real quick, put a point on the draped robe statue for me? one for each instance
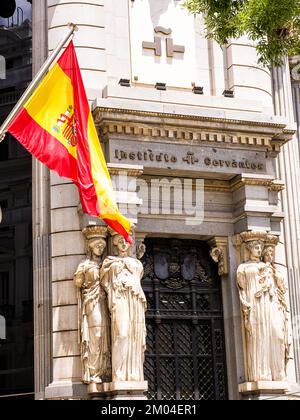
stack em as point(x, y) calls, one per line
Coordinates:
point(94, 322)
point(265, 314)
point(121, 279)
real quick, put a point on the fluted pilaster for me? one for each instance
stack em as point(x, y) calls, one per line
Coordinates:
point(289, 171)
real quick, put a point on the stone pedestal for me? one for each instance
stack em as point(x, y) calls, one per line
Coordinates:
point(66, 390)
point(264, 390)
point(118, 391)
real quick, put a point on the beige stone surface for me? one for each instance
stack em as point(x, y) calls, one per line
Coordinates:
point(66, 389)
point(65, 219)
point(67, 368)
point(87, 36)
point(64, 195)
point(63, 268)
point(118, 386)
point(55, 179)
point(63, 293)
point(79, 12)
point(64, 318)
point(67, 243)
point(264, 387)
point(65, 344)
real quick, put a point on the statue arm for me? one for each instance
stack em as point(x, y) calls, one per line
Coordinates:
point(79, 276)
point(280, 281)
point(241, 281)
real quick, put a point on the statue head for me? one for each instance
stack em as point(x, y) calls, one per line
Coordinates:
point(253, 242)
point(96, 247)
point(120, 247)
point(255, 249)
point(269, 254)
point(95, 240)
point(269, 249)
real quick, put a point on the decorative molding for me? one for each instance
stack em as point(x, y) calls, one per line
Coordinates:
point(116, 125)
point(219, 253)
point(140, 247)
point(131, 170)
point(99, 112)
point(142, 130)
point(95, 232)
point(271, 184)
point(253, 236)
point(240, 182)
point(277, 186)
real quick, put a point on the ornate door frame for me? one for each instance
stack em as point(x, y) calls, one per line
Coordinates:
point(185, 357)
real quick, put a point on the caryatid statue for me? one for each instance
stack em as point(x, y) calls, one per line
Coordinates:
point(121, 279)
point(93, 315)
point(280, 337)
point(262, 297)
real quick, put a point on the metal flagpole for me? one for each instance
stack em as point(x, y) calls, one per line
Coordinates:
point(36, 80)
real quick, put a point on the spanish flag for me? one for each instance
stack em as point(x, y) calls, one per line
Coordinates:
point(56, 126)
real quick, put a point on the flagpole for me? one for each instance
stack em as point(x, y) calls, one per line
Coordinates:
point(35, 81)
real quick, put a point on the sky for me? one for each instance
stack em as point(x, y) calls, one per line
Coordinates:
point(25, 6)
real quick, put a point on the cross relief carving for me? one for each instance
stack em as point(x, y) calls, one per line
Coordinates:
point(171, 48)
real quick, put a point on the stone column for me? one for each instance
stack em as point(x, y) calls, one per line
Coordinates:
point(289, 170)
point(41, 229)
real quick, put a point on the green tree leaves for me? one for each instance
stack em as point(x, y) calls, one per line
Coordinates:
point(273, 24)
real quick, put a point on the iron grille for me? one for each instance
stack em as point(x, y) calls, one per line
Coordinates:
point(185, 356)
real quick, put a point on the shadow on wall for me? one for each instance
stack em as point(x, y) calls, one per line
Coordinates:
point(157, 8)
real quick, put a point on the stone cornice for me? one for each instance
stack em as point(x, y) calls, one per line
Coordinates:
point(100, 111)
point(188, 128)
point(130, 170)
point(240, 182)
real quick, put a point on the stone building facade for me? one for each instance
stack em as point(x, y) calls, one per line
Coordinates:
point(174, 112)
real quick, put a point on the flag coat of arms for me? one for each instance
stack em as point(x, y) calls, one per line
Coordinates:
point(56, 126)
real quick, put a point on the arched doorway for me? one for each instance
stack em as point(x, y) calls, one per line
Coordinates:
point(185, 356)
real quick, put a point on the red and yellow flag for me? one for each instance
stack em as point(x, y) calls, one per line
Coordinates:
point(56, 126)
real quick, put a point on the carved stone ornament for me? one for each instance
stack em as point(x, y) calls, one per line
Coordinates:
point(262, 292)
point(176, 266)
point(140, 249)
point(219, 253)
point(218, 256)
